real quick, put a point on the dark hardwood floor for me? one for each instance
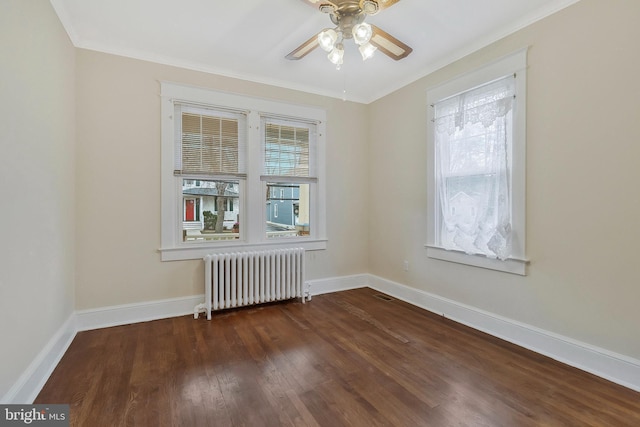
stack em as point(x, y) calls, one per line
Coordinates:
point(347, 358)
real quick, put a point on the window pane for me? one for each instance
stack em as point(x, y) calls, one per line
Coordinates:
point(470, 150)
point(210, 210)
point(287, 209)
point(286, 150)
point(209, 144)
point(472, 179)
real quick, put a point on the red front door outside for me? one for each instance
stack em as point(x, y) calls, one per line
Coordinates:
point(189, 208)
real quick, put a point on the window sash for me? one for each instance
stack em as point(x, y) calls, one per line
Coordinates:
point(290, 213)
point(195, 229)
point(472, 141)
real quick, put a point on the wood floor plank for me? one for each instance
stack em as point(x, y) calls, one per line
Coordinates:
point(343, 359)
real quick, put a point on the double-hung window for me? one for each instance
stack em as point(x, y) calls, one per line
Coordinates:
point(210, 151)
point(476, 167)
point(289, 175)
point(239, 173)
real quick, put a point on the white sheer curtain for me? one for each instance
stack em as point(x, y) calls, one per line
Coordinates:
point(473, 134)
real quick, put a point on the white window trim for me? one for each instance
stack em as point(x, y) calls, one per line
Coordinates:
point(513, 63)
point(252, 189)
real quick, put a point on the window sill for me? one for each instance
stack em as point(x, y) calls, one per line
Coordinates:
point(199, 251)
point(511, 265)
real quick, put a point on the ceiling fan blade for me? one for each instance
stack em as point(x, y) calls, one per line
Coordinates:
point(302, 50)
point(389, 45)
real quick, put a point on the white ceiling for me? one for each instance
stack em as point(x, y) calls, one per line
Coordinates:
point(249, 39)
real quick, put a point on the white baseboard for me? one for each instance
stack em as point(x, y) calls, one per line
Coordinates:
point(117, 315)
point(603, 363)
point(125, 314)
point(337, 284)
point(614, 367)
point(26, 389)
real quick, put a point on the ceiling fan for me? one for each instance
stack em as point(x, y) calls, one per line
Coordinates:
point(348, 17)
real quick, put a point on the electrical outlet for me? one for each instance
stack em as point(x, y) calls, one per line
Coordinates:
point(406, 265)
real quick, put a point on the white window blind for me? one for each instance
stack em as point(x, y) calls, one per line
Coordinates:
point(289, 150)
point(209, 141)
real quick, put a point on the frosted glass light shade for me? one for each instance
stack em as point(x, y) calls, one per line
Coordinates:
point(362, 33)
point(336, 55)
point(367, 50)
point(327, 39)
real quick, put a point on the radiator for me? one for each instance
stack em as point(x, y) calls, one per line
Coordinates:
point(246, 278)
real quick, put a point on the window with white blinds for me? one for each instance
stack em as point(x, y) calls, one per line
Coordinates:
point(288, 148)
point(239, 173)
point(210, 142)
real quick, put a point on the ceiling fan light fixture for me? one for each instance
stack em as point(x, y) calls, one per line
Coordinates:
point(348, 18)
point(327, 39)
point(367, 50)
point(362, 33)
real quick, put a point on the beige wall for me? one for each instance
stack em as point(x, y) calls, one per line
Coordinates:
point(583, 151)
point(118, 176)
point(37, 167)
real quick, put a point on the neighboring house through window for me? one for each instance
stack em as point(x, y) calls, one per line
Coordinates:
point(476, 167)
